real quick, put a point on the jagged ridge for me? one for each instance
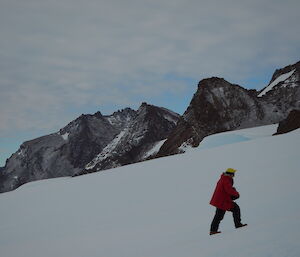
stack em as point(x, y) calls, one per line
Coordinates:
point(77, 145)
point(151, 125)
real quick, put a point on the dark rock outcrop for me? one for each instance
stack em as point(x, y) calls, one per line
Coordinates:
point(292, 122)
point(217, 106)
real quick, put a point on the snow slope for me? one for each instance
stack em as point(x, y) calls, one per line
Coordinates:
point(160, 208)
point(281, 78)
point(237, 136)
point(154, 150)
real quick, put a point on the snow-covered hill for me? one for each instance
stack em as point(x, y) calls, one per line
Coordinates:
point(160, 208)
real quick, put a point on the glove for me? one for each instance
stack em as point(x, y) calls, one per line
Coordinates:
point(233, 197)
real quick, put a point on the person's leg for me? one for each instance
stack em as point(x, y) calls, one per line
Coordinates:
point(219, 215)
point(236, 213)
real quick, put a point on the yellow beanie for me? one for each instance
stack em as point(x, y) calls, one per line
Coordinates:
point(230, 170)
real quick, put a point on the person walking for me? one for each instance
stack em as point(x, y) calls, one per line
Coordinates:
point(223, 199)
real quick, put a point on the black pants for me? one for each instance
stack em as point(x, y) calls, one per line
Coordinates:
point(236, 213)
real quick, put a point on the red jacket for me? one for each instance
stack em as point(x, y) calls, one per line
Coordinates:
point(222, 197)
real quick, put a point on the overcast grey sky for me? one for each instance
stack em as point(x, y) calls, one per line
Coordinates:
point(61, 58)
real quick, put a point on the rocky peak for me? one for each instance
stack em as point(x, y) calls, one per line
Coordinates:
point(217, 106)
point(214, 100)
point(98, 114)
point(213, 82)
point(146, 109)
point(286, 70)
point(144, 104)
point(150, 125)
point(121, 118)
point(83, 122)
point(285, 79)
point(127, 112)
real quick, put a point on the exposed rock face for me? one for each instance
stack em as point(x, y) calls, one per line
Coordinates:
point(69, 151)
point(291, 123)
point(282, 95)
point(219, 106)
point(151, 125)
point(63, 153)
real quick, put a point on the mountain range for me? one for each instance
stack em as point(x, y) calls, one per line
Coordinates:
point(97, 142)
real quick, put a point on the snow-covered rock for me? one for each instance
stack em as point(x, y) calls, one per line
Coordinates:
point(288, 76)
point(219, 106)
point(281, 78)
point(285, 95)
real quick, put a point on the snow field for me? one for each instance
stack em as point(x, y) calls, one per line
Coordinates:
point(160, 208)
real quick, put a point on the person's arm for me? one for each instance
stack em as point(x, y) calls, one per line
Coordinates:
point(234, 197)
point(229, 189)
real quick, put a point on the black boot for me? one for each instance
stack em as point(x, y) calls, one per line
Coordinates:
point(241, 225)
point(214, 232)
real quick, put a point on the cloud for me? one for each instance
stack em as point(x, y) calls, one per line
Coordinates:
point(61, 58)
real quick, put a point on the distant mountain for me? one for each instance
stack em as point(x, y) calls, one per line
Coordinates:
point(128, 133)
point(219, 106)
point(137, 141)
